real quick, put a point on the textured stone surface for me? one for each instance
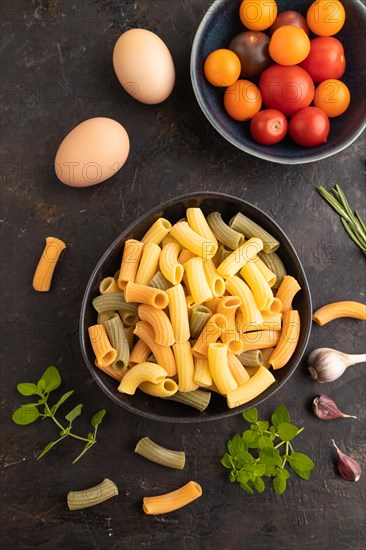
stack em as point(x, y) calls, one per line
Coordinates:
point(58, 71)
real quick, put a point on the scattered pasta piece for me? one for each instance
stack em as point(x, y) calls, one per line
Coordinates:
point(336, 310)
point(169, 502)
point(46, 265)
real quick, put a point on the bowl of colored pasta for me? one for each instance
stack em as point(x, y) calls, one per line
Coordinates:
point(199, 310)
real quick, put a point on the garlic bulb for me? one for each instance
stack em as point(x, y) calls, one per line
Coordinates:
point(326, 364)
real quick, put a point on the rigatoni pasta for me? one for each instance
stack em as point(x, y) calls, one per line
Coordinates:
point(201, 302)
point(43, 275)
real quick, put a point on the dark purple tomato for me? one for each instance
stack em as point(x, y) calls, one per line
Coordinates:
point(252, 49)
point(268, 127)
point(289, 17)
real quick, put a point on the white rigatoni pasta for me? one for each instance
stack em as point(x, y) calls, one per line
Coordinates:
point(157, 231)
point(197, 281)
point(169, 266)
point(249, 309)
point(237, 369)
point(219, 368)
point(261, 290)
point(148, 263)
point(47, 263)
point(237, 259)
point(193, 241)
point(198, 223)
point(165, 388)
point(214, 281)
point(178, 314)
point(143, 372)
point(185, 367)
point(202, 373)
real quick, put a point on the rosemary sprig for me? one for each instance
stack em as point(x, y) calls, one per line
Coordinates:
point(351, 221)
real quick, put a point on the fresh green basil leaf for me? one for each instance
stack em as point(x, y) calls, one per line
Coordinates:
point(48, 447)
point(243, 477)
point(270, 457)
point(254, 444)
point(27, 388)
point(301, 464)
point(52, 379)
point(25, 415)
point(270, 471)
point(251, 415)
point(265, 442)
point(259, 469)
point(249, 436)
point(279, 485)
point(41, 384)
point(62, 400)
point(246, 487)
point(226, 461)
point(97, 418)
point(235, 445)
point(263, 425)
point(258, 485)
point(280, 416)
point(287, 431)
point(74, 413)
point(283, 473)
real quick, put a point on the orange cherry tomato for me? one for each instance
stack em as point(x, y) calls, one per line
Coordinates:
point(333, 97)
point(326, 17)
point(222, 68)
point(289, 45)
point(242, 100)
point(258, 15)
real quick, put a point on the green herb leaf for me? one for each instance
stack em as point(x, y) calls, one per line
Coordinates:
point(259, 469)
point(41, 385)
point(97, 418)
point(280, 416)
point(25, 415)
point(251, 415)
point(26, 388)
point(62, 400)
point(249, 436)
point(243, 477)
point(258, 485)
point(263, 425)
point(48, 447)
point(270, 457)
point(226, 461)
point(52, 379)
point(279, 485)
point(246, 487)
point(301, 464)
point(74, 413)
point(287, 431)
point(265, 442)
point(235, 445)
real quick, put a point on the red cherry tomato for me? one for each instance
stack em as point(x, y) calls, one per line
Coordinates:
point(287, 89)
point(326, 59)
point(268, 127)
point(309, 127)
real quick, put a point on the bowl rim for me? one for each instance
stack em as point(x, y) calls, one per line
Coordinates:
point(242, 147)
point(204, 195)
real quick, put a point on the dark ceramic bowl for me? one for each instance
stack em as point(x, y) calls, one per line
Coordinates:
point(168, 411)
point(221, 23)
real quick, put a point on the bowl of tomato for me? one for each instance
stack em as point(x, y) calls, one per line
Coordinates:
point(282, 79)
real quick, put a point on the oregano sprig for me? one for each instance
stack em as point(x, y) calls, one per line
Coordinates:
point(30, 412)
point(257, 453)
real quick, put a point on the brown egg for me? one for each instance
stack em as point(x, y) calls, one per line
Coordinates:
point(92, 152)
point(144, 66)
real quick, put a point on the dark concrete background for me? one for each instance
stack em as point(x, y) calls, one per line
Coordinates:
point(57, 63)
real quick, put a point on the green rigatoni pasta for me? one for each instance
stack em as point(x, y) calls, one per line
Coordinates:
point(109, 302)
point(154, 452)
point(159, 281)
point(251, 358)
point(199, 317)
point(224, 233)
point(197, 399)
point(275, 264)
point(250, 229)
point(118, 339)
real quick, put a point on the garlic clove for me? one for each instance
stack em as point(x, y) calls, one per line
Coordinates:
point(348, 467)
point(326, 409)
point(326, 364)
